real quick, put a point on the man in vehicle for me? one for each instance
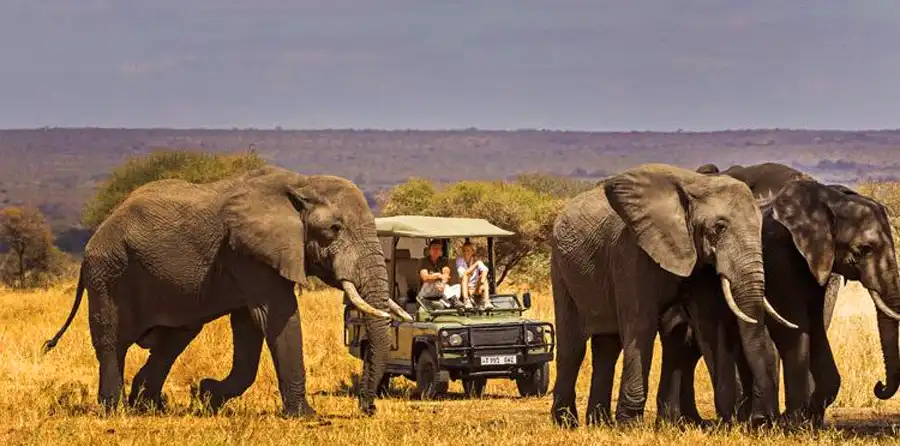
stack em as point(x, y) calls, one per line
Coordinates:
point(434, 271)
point(473, 277)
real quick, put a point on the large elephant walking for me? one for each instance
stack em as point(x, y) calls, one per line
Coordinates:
point(176, 255)
point(619, 253)
point(814, 236)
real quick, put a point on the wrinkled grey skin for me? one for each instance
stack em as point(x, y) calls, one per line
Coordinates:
point(175, 255)
point(619, 254)
point(814, 236)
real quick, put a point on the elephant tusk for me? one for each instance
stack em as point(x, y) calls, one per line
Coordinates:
point(399, 311)
point(729, 298)
point(360, 304)
point(882, 306)
point(774, 314)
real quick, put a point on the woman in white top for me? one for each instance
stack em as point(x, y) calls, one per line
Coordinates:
point(473, 277)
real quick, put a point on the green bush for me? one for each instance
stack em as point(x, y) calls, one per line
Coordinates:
point(512, 206)
point(556, 187)
point(193, 166)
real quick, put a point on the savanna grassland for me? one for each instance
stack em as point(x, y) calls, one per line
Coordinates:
point(51, 399)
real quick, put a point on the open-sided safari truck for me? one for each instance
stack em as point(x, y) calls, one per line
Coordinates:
point(442, 344)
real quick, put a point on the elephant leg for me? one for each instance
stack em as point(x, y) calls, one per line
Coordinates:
point(744, 387)
point(280, 321)
point(761, 357)
point(109, 349)
point(636, 359)
point(728, 356)
point(169, 343)
point(796, 374)
point(604, 354)
point(569, 355)
point(248, 340)
point(688, 400)
point(675, 398)
point(824, 371)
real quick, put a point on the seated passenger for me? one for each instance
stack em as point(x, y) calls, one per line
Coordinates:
point(434, 271)
point(473, 278)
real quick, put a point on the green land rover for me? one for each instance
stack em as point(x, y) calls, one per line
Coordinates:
point(443, 344)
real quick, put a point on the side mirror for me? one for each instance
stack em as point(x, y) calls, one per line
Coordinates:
point(526, 300)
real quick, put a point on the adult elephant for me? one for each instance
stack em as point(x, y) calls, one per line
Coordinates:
point(176, 255)
point(814, 236)
point(619, 253)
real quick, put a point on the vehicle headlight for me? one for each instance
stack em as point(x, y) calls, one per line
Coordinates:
point(529, 336)
point(455, 339)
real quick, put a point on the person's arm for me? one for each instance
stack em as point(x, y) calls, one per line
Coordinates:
point(423, 274)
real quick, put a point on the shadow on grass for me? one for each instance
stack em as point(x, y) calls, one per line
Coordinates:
point(864, 423)
point(351, 389)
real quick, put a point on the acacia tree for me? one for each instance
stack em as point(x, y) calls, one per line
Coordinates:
point(514, 207)
point(25, 232)
point(192, 166)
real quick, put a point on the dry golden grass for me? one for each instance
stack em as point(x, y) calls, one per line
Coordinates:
point(51, 399)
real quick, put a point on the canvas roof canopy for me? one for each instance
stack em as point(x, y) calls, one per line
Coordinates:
point(437, 227)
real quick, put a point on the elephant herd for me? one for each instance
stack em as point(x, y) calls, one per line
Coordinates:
point(740, 267)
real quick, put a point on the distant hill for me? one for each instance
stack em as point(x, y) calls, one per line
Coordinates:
point(58, 168)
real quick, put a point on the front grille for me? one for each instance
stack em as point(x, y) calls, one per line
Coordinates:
point(496, 336)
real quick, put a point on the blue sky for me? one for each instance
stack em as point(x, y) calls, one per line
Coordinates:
point(562, 64)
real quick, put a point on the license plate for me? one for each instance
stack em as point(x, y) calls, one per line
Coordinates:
point(498, 360)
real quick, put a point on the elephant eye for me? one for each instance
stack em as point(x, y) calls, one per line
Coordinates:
point(336, 227)
point(864, 250)
point(720, 226)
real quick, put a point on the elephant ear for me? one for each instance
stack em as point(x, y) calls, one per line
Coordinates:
point(802, 207)
point(268, 225)
point(653, 203)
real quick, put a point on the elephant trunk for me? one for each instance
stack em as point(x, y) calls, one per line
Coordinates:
point(743, 285)
point(374, 291)
point(751, 290)
point(887, 330)
point(747, 290)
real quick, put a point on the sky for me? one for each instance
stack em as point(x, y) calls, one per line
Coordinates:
point(437, 64)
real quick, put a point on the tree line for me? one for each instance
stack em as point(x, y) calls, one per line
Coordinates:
point(526, 205)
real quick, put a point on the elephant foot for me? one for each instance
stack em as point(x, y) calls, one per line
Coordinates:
point(759, 421)
point(367, 406)
point(598, 416)
point(301, 410)
point(803, 418)
point(565, 416)
point(628, 417)
point(209, 394)
point(109, 405)
point(683, 421)
point(144, 403)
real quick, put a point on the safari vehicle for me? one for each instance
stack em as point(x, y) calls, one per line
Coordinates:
point(441, 344)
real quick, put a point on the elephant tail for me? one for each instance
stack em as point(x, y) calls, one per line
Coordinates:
point(78, 293)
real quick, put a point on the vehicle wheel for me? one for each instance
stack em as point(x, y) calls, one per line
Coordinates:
point(384, 386)
point(474, 387)
point(427, 384)
point(535, 382)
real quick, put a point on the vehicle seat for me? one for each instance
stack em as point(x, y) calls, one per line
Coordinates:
point(407, 275)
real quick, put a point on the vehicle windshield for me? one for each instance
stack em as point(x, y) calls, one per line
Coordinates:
point(501, 302)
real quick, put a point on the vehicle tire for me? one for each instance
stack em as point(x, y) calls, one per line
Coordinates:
point(427, 385)
point(474, 387)
point(535, 382)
